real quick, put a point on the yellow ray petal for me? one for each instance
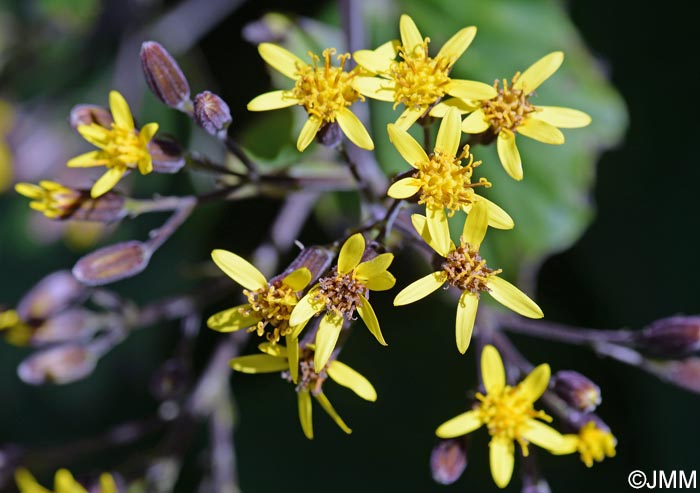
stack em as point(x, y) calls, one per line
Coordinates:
point(509, 155)
point(272, 100)
point(29, 190)
point(239, 269)
point(298, 279)
point(457, 44)
point(276, 350)
point(407, 146)
point(420, 224)
point(381, 282)
point(498, 218)
point(372, 268)
point(561, 117)
point(328, 331)
point(409, 117)
point(368, 316)
point(306, 308)
point(404, 188)
point(389, 49)
point(476, 224)
point(493, 373)
point(440, 109)
point(375, 88)
point(373, 61)
point(351, 253)
point(343, 375)
point(89, 159)
point(534, 385)
point(510, 296)
point(439, 230)
point(308, 132)
point(96, 134)
point(280, 59)
point(459, 425)
point(547, 437)
point(233, 319)
point(466, 314)
point(293, 357)
point(539, 72)
point(145, 165)
point(26, 482)
point(449, 133)
point(353, 129)
point(541, 131)
point(475, 123)
point(120, 111)
point(107, 484)
point(328, 407)
point(411, 38)
point(107, 182)
point(420, 289)
point(470, 90)
point(259, 363)
point(305, 413)
point(147, 132)
point(501, 458)
point(65, 482)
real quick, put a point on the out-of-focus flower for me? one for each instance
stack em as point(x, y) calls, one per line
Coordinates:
point(64, 482)
point(464, 269)
point(417, 81)
point(58, 365)
point(440, 179)
point(6, 121)
point(343, 292)
point(164, 77)
point(51, 295)
point(310, 382)
point(122, 147)
point(510, 112)
point(324, 90)
point(509, 416)
point(448, 460)
point(594, 442)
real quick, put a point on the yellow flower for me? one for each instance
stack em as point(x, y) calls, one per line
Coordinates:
point(511, 112)
point(440, 178)
point(310, 382)
point(418, 80)
point(64, 482)
point(464, 269)
point(15, 330)
point(325, 92)
point(343, 292)
point(509, 416)
point(122, 147)
point(51, 198)
point(593, 443)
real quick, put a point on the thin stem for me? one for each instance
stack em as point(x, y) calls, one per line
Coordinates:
point(238, 151)
point(160, 235)
point(206, 164)
point(388, 221)
point(426, 139)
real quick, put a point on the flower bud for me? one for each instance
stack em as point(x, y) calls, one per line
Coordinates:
point(53, 294)
point(448, 460)
point(112, 263)
point(330, 135)
point(87, 114)
point(683, 373)
point(59, 365)
point(212, 113)
point(164, 77)
point(69, 325)
point(577, 390)
point(671, 337)
point(167, 156)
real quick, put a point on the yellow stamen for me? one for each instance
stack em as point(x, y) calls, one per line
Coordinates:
point(466, 270)
point(595, 444)
point(341, 293)
point(274, 304)
point(509, 108)
point(420, 79)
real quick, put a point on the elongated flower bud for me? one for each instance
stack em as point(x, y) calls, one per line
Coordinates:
point(59, 365)
point(448, 460)
point(683, 373)
point(164, 77)
point(50, 296)
point(577, 390)
point(87, 114)
point(671, 337)
point(167, 156)
point(212, 113)
point(112, 263)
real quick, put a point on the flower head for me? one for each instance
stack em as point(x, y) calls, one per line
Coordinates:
point(122, 147)
point(417, 81)
point(323, 89)
point(51, 198)
point(440, 180)
point(64, 482)
point(342, 293)
point(509, 415)
point(511, 112)
point(309, 381)
point(593, 442)
point(465, 269)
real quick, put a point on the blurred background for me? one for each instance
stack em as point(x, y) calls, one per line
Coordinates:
point(607, 231)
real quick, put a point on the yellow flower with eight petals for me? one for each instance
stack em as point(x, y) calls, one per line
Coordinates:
point(511, 112)
point(122, 147)
point(343, 292)
point(276, 359)
point(64, 482)
point(418, 81)
point(509, 416)
point(51, 198)
point(324, 91)
point(464, 269)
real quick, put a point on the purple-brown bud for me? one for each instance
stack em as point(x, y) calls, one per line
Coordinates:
point(448, 460)
point(671, 337)
point(59, 365)
point(212, 113)
point(683, 373)
point(330, 135)
point(112, 263)
point(164, 77)
point(76, 323)
point(577, 390)
point(87, 114)
point(167, 156)
point(50, 296)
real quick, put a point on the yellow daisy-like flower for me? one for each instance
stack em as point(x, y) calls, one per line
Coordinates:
point(509, 416)
point(122, 147)
point(441, 179)
point(343, 292)
point(464, 269)
point(417, 81)
point(593, 443)
point(310, 381)
point(51, 198)
point(511, 112)
point(64, 482)
point(324, 90)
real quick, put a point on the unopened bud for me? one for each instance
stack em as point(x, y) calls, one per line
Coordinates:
point(53, 294)
point(164, 77)
point(87, 114)
point(212, 113)
point(59, 365)
point(112, 263)
point(330, 135)
point(683, 373)
point(167, 156)
point(448, 461)
point(671, 337)
point(577, 390)
point(69, 325)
